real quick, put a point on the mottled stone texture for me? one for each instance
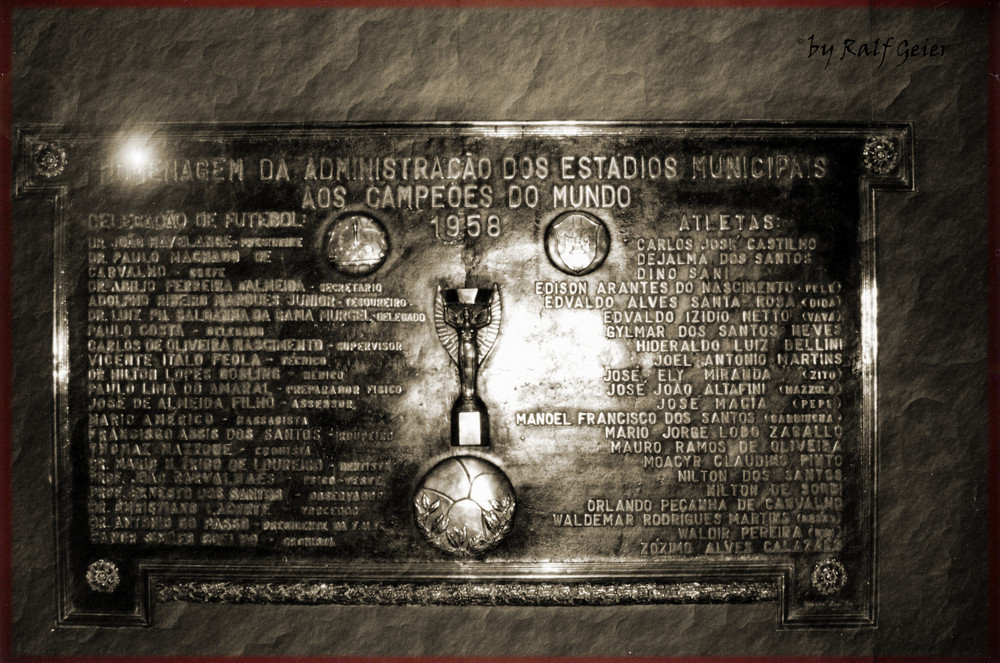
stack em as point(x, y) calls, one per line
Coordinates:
point(116, 67)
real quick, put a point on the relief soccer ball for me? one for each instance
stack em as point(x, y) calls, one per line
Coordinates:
point(464, 505)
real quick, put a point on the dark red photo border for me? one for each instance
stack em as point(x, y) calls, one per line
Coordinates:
point(6, 122)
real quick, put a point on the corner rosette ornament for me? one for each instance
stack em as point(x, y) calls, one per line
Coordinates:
point(880, 155)
point(50, 160)
point(464, 505)
point(829, 577)
point(102, 576)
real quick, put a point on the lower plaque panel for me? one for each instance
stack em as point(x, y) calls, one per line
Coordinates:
point(532, 364)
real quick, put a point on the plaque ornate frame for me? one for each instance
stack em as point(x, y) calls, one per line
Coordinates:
point(43, 162)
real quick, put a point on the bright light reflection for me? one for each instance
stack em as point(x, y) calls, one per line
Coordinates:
point(60, 341)
point(561, 129)
point(869, 331)
point(136, 154)
point(550, 568)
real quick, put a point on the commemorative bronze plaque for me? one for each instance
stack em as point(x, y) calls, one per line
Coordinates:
point(535, 364)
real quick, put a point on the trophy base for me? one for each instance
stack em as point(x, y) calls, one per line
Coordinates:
point(470, 429)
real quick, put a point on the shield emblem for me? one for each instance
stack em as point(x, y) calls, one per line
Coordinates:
point(577, 243)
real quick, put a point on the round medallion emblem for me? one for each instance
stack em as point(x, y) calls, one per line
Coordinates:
point(464, 505)
point(577, 242)
point(357, 245)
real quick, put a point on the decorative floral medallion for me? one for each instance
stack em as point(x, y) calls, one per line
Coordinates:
point(102, 576)
point(464, 505)
point(828, 576)
point(50, 160)
point(880, 155)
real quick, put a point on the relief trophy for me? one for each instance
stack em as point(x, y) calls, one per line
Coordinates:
point(465, 504)
point(468, 322)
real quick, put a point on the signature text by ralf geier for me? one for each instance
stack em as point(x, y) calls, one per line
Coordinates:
point(881, 50)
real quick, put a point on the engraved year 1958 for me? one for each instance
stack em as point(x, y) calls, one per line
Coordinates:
point(456, 227)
